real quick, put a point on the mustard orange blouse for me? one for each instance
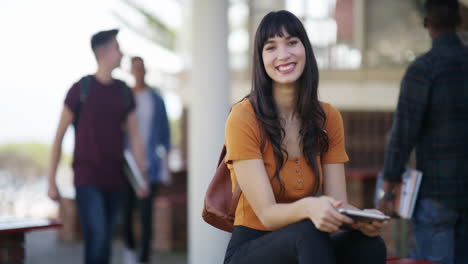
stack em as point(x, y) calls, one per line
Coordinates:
point(243, 143)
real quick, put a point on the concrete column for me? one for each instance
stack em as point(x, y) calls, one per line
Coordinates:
point(209, 105)
point(359, 27)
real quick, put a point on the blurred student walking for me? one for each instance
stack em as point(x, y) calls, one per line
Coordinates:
point(154, 128)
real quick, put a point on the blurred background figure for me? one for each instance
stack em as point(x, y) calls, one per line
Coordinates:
point(98, 106)
point(153, 125)
point(432, 117)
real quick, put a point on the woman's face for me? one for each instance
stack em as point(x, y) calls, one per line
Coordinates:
point(284, 58)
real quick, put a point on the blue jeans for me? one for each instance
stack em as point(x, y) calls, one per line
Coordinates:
point(97, 211)
point(441, 232)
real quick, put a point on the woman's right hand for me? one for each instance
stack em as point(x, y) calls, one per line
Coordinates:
point(322, 212)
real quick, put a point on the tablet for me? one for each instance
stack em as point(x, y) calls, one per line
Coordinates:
point(358, 215)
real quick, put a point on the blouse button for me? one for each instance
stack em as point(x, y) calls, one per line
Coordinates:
point(297, 161)
point(299, 181)
point(297, 171)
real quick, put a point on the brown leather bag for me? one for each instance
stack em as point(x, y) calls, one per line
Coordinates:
point(220, 201)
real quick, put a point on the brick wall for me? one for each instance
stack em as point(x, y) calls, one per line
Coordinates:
point(366, 137)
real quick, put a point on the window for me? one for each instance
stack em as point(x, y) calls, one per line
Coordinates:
point(331, 28)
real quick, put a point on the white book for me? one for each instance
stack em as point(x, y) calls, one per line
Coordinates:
point(406, 192)
point(164, 173)
point(411, 181)
point(132, 171)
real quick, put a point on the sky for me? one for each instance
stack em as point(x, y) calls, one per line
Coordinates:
point(44, 49)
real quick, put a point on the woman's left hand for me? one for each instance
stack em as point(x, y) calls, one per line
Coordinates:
point(370, 229)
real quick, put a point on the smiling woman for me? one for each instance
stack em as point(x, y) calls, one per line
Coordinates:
point(284, 58)
point(285, 150)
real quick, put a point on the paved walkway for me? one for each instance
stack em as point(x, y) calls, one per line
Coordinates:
point(42, 247)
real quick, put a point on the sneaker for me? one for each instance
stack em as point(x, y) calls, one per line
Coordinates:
point(129, 256)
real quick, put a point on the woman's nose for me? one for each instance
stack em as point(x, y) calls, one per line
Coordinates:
point(283, 53)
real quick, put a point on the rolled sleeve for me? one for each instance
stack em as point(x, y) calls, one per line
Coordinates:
point(334, 127)
point(242, 135)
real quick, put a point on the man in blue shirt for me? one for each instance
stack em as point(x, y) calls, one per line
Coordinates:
point(154, 128)
point(432, 118)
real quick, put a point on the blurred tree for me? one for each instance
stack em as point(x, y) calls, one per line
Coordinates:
point(153, 29)
point(156, 31)
point(27, 159)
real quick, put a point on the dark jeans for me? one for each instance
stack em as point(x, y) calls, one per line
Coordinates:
point(302, 243)
point(441, 232)
point(145, 209)
point(97, 211)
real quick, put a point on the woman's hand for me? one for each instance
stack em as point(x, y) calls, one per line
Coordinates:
point(370, 229)
point(322, 211)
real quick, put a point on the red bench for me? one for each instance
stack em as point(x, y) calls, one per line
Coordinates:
point(395, 260)
point(12, 236)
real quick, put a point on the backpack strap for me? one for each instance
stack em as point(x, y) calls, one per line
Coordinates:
point(85, 85)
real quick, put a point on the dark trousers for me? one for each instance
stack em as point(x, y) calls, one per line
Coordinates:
point(97, 211)
point(302, 243)
point(145, 209)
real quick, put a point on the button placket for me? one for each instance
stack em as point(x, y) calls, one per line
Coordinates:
point(297, 168)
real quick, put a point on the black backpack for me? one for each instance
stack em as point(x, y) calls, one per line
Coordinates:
point(85, 86)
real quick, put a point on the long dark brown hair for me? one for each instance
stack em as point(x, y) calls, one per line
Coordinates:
point(314, 139)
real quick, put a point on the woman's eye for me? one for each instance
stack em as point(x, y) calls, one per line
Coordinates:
point(293, 42)
point(270, 48)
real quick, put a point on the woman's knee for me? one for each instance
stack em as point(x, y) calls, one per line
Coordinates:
point(376, 244)
point(355, 247)
point(305, 226)
point(373, 247)
point(306, 232)
point(312, 244)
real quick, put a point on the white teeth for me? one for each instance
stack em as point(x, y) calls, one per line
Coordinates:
point(286, 68)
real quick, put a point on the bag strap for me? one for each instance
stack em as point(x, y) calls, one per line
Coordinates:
point(237, 190)
point(85, 85)
point(235, 200)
